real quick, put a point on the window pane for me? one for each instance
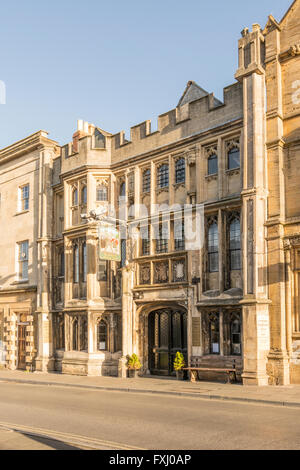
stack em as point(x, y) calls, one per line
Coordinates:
point(102, 336)
point(146, 181)
point(180, 171)
point(213, 248)
point(213, 165)
point(123, 253)
point(75, 197)
point(179, 235)
point(99, 140)
point(213, 262)
point(235, 245)
point(76, 263)
point(101, 193)
point(234, 159)
point(214, 336)
point(123, 189)
point(84, 195)
point(84, 262)
point(163, 176)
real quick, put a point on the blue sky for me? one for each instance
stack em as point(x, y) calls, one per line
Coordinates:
point(114, 63)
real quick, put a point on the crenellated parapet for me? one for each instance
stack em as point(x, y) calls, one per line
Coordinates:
point(185, 120)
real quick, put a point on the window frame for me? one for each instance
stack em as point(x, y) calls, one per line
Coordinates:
point(212, 157)
point(180, 171)
point(146, 180)
point(22, 260)
point(23, 202)
point(163, 176)
point(231, 240)
point(212, 248)
point(231, 151)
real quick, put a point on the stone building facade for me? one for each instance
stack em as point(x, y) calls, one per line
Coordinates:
point(231, 298)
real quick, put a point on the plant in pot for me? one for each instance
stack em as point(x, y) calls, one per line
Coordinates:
point(133, 366)
point(179, 364)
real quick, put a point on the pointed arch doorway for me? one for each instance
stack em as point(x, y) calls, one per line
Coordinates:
point(167, 335)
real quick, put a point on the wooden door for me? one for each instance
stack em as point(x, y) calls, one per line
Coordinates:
point(22, 347)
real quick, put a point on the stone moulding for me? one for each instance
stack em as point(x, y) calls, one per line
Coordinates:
point(293, 51)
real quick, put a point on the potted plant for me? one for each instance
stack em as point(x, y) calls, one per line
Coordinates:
point(179, 364)
point(133, 366)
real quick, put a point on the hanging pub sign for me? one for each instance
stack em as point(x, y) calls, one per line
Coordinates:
point(109, 242)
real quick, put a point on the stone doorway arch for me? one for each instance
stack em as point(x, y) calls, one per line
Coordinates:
point(167, 334)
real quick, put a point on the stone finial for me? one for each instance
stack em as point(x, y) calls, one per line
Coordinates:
point(256, 27)
point(245, 32)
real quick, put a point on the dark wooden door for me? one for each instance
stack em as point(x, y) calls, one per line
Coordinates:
point(167, 335)
point(21, 346)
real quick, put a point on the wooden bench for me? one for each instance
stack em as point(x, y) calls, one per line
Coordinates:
point(197, 367)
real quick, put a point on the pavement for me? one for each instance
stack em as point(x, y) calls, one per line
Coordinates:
point(73, 417)
point(16, 440)
point(272, 395)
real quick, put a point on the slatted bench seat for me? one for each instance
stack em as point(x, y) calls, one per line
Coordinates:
point(197, 367)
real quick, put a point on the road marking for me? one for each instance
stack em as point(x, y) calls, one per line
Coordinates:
point(85, 441)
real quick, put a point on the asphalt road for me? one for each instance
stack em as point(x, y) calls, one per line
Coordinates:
point(118, 420)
